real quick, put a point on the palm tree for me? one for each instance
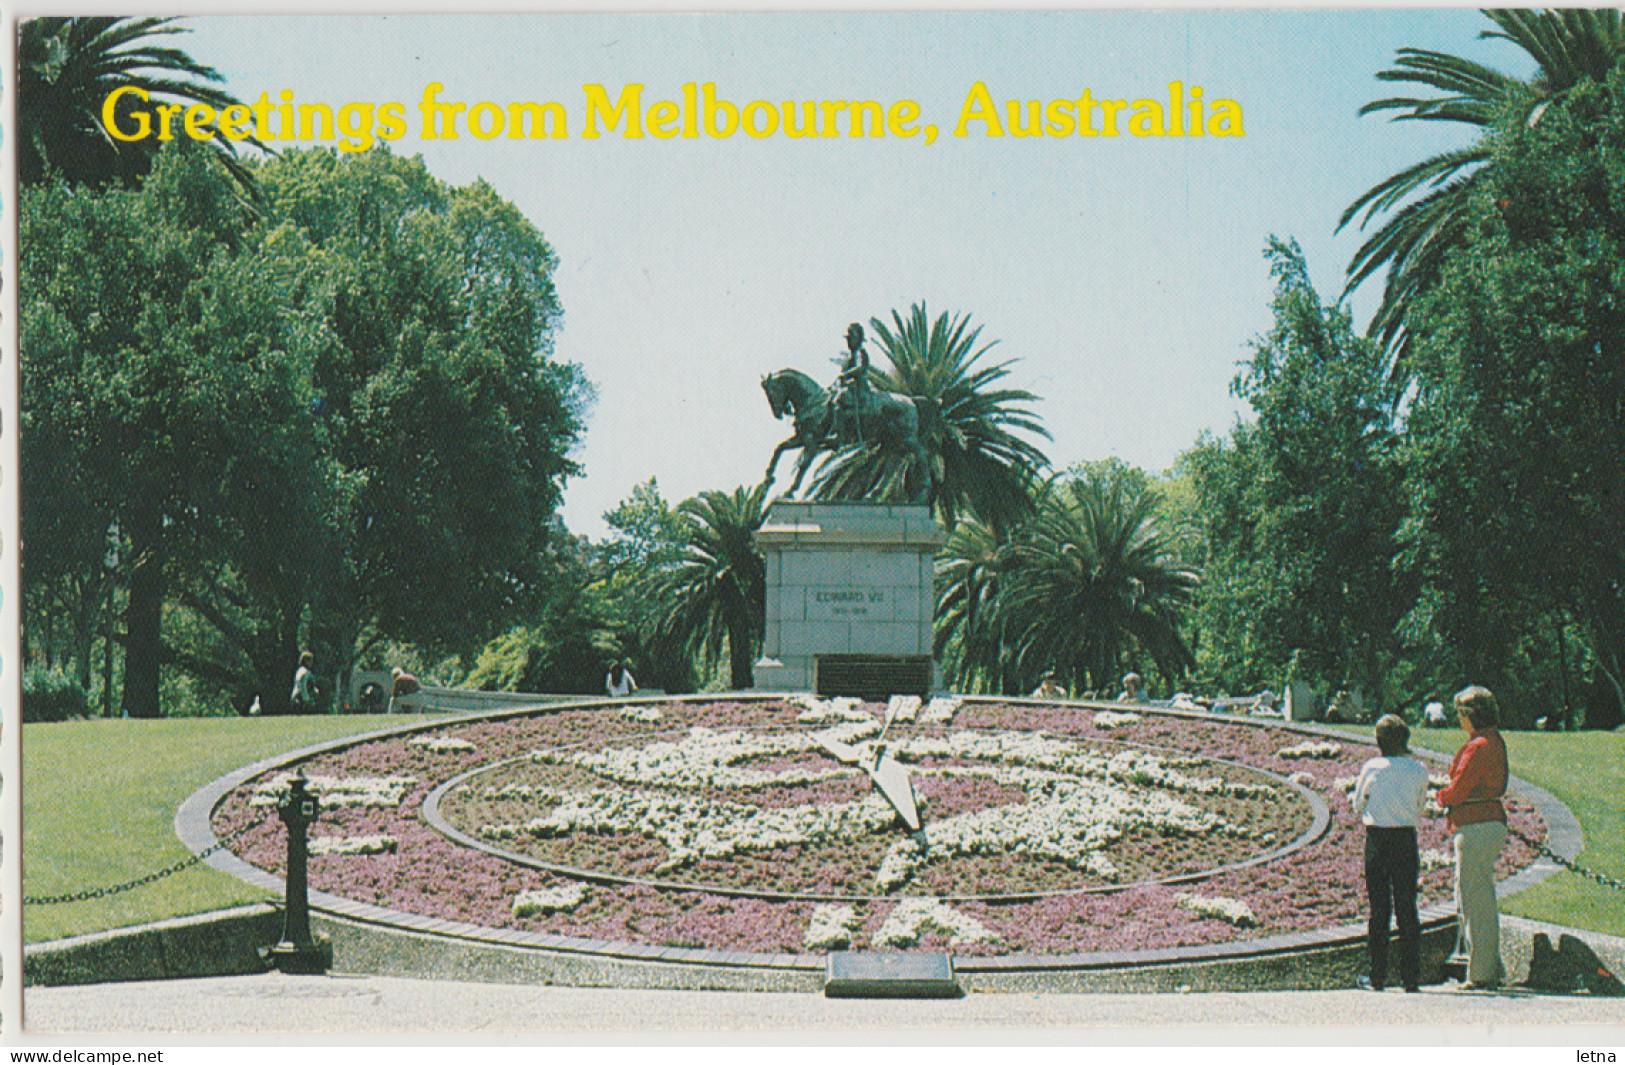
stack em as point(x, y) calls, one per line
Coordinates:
point(716, 590)
point(978, 463)
point(968, 638)
point(66, 67)
point(1570, 45)
point(1090, 579)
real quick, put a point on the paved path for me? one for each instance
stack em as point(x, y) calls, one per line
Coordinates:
point(274, 1003)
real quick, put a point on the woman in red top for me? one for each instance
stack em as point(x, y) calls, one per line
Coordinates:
point(1472, 799)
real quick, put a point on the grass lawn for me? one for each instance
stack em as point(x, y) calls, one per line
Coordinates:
point(99, 802)
point(1586, 770)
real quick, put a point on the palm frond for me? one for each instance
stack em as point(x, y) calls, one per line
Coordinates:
point(1569, 45)
point(715, 592)
point(1089, 581)
point(975, 436)
point(67, 67)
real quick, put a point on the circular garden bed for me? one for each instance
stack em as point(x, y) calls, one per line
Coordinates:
point(748, 826)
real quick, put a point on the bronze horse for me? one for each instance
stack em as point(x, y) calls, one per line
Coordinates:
point(882, 419)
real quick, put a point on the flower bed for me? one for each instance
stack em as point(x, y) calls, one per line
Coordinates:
point(1042, 827)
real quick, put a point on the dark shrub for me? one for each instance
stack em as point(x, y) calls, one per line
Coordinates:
point(51, 695)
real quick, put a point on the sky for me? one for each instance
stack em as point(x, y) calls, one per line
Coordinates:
point(1122, 278)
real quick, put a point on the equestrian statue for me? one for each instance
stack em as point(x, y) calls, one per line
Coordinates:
point(851, 413)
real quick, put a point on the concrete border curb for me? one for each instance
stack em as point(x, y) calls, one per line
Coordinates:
point(1537, 954)
point(223, 943)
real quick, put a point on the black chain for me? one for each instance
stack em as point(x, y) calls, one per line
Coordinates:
point(185, 863)
point(1546, 852)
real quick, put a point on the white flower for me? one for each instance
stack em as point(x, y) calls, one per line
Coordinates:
point(544, 901)
point(913, 916)
point(1065, 819)
point(903, 708)
point(1311, 749)
point(1233, 911)
point(823, 711)
point(1302, 778)
point(853, 731)
point(695, 828)
point(1101, 866)
point(648, 715)
point(353, 845)
point(1110, 719)
point(335, 792)
point(441, 744)
point(1079, 801)
point(704, 758)
point(1142, 768)
point(939, 711)
point(831, 927)
point(898, 865)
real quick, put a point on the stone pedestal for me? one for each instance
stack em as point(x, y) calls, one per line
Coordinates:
point(850, 599)
point(1300, 702)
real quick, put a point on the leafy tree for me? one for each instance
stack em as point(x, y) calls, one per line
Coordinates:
point(330, 423)
point(1303, 507)
point(648, 536)
point(70, 584)
point(1516, 437)
point(436, 383)
point(601, 606)
point(569, 645)
point(715, 592)
point(980, 465)
point(1572, 46)
point(136, 371)
point(67, 67)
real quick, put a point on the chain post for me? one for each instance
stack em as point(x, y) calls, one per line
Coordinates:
point(297, 951)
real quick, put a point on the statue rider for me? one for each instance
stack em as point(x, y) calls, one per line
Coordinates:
point(852, 388)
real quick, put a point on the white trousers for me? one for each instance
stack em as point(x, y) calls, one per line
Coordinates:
point(1477, 847)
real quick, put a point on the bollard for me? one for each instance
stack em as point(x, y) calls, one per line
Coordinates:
point(298, 952)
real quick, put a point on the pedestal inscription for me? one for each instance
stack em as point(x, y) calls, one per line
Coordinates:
point(850, 598)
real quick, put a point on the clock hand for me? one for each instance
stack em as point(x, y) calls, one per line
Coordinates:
point(887, 774)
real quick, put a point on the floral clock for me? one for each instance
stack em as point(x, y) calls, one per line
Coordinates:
point(762, 826)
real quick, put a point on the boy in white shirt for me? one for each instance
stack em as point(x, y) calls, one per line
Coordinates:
point(1389, 797)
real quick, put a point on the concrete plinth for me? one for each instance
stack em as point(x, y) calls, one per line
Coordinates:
point(891, 976)
point(850, 598)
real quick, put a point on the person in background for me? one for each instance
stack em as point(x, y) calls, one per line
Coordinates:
point(1049, 688)
point(1389, 796)
point(1342, 710)
point(1133, 689)
point(1433, 715)
point(1472, 802)
point(303, 699)
point(402, 685)
point(620, 683)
